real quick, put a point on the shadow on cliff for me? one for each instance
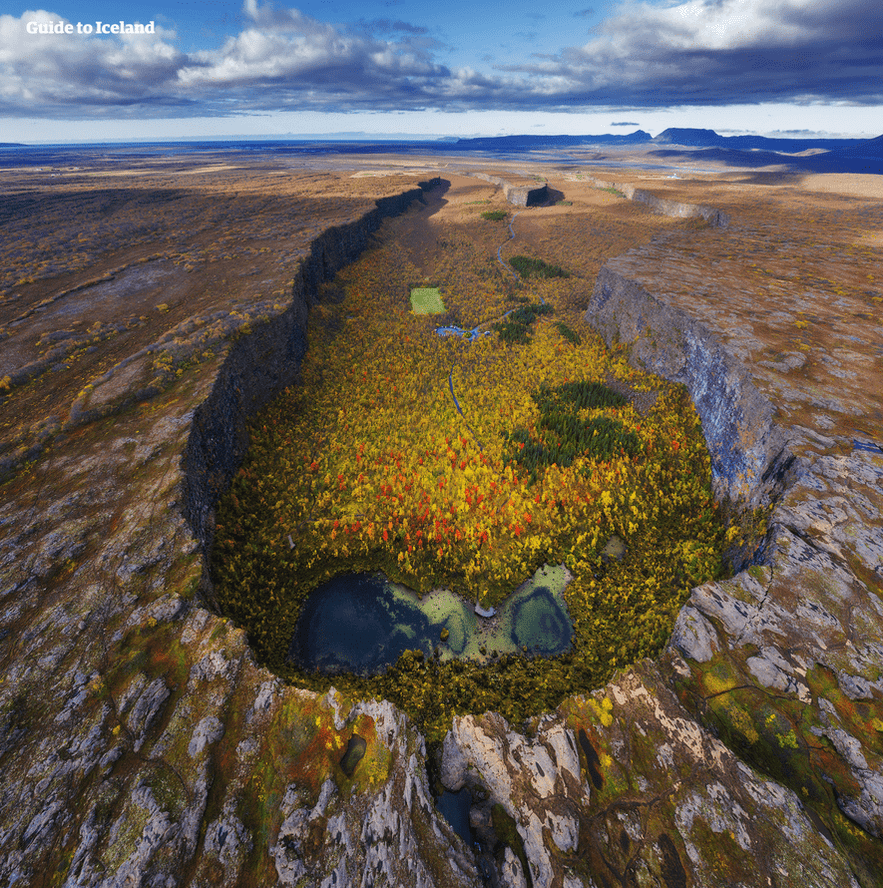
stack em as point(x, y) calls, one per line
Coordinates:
point(552, 197)
point(434, 200)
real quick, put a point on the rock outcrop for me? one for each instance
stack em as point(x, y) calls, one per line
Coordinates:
point(750, 752)
point(519, 194)
point(665, 206)
point(140, 743)
point(748, 451)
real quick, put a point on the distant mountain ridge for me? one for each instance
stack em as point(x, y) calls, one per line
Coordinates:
point(681, 136)
point(706, 138)
point(639, 137)
point(820, 155)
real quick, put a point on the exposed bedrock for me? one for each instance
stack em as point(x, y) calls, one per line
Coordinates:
point(664, 205)
point(518, 194)
point(750, 461)
point(750, 753)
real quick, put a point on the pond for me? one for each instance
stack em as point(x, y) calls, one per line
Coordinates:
point(362, 623)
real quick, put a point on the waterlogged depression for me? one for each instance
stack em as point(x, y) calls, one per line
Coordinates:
point(363, 623)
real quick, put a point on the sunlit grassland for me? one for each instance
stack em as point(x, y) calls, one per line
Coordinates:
point(369, 465)
point(426, 300)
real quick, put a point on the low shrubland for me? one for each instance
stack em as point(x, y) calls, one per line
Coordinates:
point(371, 464)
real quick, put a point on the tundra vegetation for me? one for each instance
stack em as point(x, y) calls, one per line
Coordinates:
point(468, 463)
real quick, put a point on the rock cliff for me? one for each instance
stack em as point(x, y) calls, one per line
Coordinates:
point(665, 206)
point(519, 194)
point(750, 752)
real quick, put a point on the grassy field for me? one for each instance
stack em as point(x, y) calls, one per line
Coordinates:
point(426, 300)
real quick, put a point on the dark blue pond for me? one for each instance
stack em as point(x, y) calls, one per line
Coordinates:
point(353, 624)
point(363, 623)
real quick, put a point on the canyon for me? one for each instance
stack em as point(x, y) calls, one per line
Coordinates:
point(140, 741)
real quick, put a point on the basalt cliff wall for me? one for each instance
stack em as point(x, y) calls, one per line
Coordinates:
point(517, 194)
point(739, 754)
point(665, 206)
point(750, 460)
point(140, 743)
point(264, 362)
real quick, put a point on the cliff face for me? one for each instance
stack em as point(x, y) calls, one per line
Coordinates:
point(749, 752)
point(748, 451)
point(140, 744)
point(518, 194)
point(665, 206)
point(264, 362)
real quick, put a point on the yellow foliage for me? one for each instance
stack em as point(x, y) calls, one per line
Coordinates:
point(369, 464)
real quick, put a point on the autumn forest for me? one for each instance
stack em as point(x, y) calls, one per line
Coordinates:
point(467, 461)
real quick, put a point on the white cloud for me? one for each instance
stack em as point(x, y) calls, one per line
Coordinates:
point(724, 51)
point(299, 57)
point(702, 52)
point(60, 73)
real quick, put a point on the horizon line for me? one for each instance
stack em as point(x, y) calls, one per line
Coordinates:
point(398, 138)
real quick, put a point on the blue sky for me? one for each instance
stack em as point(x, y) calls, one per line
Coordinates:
point(443, 68)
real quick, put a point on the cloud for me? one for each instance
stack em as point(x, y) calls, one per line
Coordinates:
point(49, 75)
point(387, 25)
point(711, 52)
point(701, 52)
point(288, 60)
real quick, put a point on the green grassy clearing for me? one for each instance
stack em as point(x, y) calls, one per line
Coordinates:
point(426, 300)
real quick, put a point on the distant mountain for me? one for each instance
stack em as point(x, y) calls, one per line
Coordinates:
point(524, 142)
point(800, 155)
point(706, 138)
point(872, 148)
point(692, 138)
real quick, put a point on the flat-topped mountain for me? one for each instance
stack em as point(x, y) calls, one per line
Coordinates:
point(706, 138)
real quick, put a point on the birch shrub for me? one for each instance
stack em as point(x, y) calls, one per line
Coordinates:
point(445, 462)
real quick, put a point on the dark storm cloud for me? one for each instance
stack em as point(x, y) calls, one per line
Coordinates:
point(706, 52)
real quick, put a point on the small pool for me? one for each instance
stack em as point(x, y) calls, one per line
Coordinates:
point(363, 622)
